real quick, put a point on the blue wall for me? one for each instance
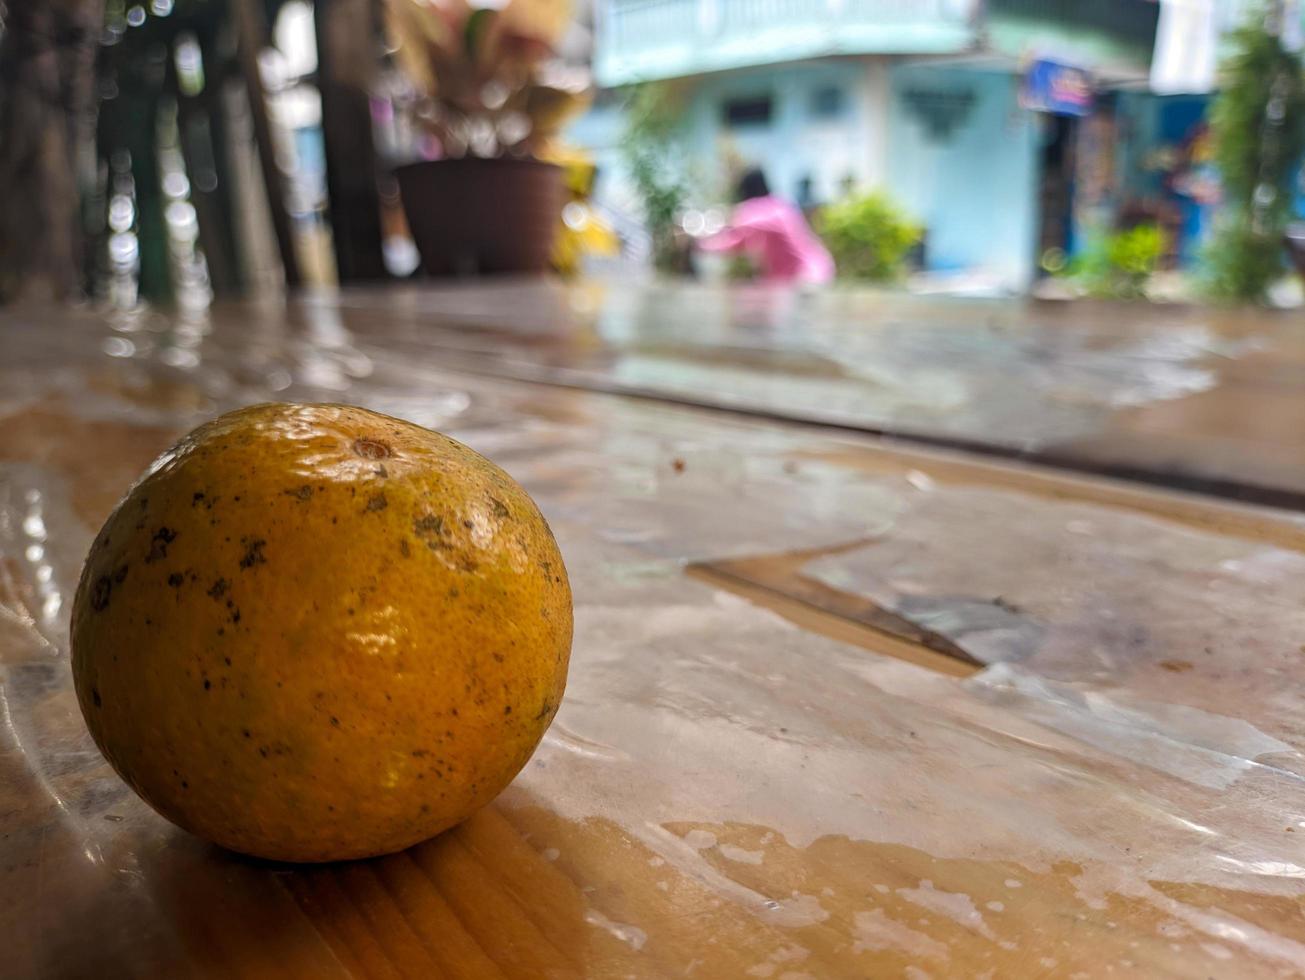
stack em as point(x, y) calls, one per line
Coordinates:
point(975, 189)
point(797, 143)
point(598, 131)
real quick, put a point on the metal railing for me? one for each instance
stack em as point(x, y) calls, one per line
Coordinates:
point(643, 39)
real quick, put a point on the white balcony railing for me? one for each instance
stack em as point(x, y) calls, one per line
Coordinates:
point(649, 39)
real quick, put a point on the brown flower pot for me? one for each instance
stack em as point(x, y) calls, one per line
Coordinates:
point(481, 217)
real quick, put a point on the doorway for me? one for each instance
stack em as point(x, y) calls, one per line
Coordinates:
point(1056, 185)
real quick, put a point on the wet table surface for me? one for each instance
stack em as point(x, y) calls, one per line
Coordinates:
point(1204, 398)
point(839, 706)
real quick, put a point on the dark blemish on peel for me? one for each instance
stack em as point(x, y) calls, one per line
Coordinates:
point(163, 537)
point(498, 658)
point(175, 580)
point(468, 525)
point(218, 589)
point(335, 721)
point(429, 524)
point(507, 709)
point(544, 711)
point(376, 502)
point(227, 661)
point(208, 684)
point(120, 574)
point(246, 732)
point(95, 697)
point(196, 497)
point(300, 493)
point(430, 528)
point(382, 472)
point(500, 508)
point(419, 753)
point(253, 552)
point(100, 593)
point(404, 549)
point(371, 449)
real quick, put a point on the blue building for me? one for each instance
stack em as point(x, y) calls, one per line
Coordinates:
point(925, 99)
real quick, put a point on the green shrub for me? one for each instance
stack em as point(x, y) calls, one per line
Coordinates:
point(869, 237)
point(652, 146)
point(1119, 265)
point(1241, 263)
point(741, 268)
point(1258, 127)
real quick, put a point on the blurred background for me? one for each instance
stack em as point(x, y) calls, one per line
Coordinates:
point(170, 151)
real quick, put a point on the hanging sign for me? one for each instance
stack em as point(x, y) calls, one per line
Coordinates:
point(1050, 86)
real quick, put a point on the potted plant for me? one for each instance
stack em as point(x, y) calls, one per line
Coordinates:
point(492, 100)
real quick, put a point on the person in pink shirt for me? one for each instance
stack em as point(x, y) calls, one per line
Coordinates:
point(774, 234)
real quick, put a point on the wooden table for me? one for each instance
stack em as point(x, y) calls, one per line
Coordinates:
point(1207, 399)
point(839, 707)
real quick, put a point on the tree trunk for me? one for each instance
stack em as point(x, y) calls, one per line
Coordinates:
point(346, 58)
point(47, 76)
point(251, 30)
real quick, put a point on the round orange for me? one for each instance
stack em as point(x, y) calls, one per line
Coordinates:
point(313, 632)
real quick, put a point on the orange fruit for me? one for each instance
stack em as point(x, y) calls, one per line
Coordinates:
point(312, 632)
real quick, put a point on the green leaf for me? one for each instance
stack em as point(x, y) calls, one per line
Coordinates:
point(476, 26)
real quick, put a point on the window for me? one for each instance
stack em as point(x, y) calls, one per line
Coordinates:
point(754, 110)
point(828, 102)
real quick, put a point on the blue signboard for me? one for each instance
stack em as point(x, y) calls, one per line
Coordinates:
point(1052, 87)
